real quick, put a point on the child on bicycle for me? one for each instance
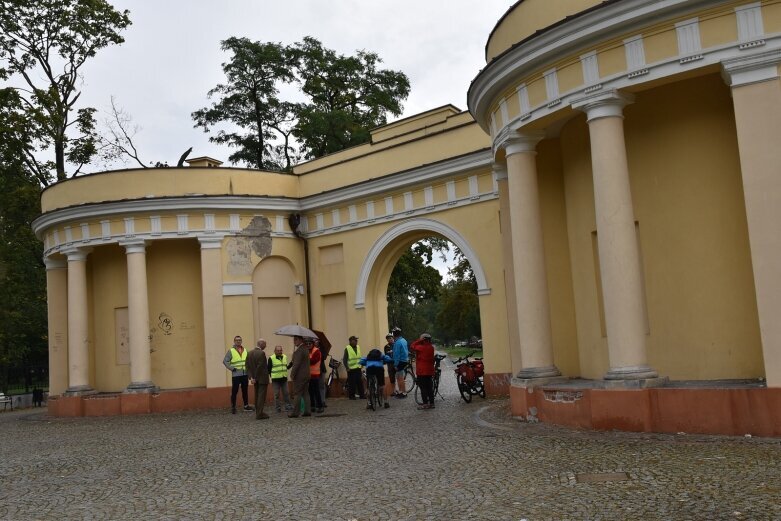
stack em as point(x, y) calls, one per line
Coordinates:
point(424, 354)
point(375, 362)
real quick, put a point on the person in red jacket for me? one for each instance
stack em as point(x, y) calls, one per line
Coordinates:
point(424, 362)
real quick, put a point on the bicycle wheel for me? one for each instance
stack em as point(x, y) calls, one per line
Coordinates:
point(379, 398)
point(418, 396)
point(481, 390)
point(436, 383)
point(328, 384)
point(409, 379)
point(463, 388)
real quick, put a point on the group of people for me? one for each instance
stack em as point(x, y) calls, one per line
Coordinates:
point(306, 372)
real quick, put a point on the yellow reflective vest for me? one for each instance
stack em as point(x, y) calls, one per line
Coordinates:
point(238, 361)
point(353, 356)
point(278, 367)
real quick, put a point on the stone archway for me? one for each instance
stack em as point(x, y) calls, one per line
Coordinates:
point(411, 226)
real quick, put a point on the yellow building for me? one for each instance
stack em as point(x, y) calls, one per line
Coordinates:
point(615, 185)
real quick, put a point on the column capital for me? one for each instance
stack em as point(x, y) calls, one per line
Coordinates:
point(76, 254)
point(210, 243)
point(54, 264)
point(603, 104)
point(519, 142)
point(134, 246)
point(500, 171)
point(751, 68)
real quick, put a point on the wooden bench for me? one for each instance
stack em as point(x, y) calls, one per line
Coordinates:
point(6, 401)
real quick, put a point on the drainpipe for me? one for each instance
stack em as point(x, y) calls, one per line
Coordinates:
point(294, 220)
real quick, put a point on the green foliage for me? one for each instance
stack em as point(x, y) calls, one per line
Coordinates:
point(459, 314)
point(44, 44)
point(22, 276)
point(249, 100)
point(345, 97)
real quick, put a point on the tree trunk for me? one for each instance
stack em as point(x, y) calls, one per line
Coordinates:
point(59, 154)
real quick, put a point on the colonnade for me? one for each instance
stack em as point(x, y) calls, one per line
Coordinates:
point(67, 290)
point(757, 102)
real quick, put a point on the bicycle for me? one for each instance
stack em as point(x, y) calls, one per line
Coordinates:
point(469, 376)
point(334, 375)
point(435, 380)
point(410, 379)
point(376, 399)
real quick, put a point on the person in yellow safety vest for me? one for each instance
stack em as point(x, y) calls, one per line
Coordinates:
point(236, 361)
point(277, 369)
point(352, 354)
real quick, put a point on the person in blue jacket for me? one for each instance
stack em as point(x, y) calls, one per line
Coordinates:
point(375, 362)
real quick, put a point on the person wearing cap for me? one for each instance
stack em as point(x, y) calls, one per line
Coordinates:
point(352, 355)
point(424, 362)
point(388, 350)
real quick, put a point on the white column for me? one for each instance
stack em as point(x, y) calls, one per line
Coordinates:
point(619, 258)
point(756, 97)
point(57, 317)
point(138, 319)
point(78, 322)
point(213, 314)
point(531, 283)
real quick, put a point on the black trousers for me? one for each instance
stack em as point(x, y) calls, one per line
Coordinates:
point(426, 384)
point(244, 382)
point(355, 383)
point(314, 393)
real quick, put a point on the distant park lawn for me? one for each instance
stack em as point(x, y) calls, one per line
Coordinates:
point(458, 352)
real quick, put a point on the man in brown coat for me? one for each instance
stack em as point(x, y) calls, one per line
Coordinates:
point(299, 374)
point(257, 370)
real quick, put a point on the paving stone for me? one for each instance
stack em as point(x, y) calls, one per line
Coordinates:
point(456, 462)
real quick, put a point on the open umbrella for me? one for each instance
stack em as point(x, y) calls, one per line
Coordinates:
point(325, 345)
point(295, 330)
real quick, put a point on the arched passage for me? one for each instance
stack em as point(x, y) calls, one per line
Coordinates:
point(415, 227)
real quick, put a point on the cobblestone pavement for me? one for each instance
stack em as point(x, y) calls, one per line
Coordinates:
point(457, 462)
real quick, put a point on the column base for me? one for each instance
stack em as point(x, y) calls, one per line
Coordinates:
point(79, 390)
point(141, 387)
point(636, 383)
point(634, 372)
point(527, 373)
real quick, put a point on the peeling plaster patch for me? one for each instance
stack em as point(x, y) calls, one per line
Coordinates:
point(255, 238)
point(563, 396)
point(258, 232)
point(239, 253)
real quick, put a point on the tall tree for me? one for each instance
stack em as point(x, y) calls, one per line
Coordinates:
point(414, 282)
point(22, 277)
point(248, 100)
point(46, 43)
point(347, 97)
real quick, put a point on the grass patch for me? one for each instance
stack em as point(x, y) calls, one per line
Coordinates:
point(458, 352)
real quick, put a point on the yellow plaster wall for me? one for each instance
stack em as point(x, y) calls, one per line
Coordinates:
point(557, 257)
point(688, 201)
point(660, 43)
point(718, 30)
point(528, 16)
point(570, 76)
point(444, 145)
point(174, 286)
point(166, 182)
point(109, 291)
point(771, 16)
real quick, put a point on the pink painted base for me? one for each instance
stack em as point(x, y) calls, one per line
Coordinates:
point(695, 411)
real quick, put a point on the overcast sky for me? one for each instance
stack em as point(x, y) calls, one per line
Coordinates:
point(171, 56)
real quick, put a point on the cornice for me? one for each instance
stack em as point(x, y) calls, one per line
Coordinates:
point(569, 38)
point(169, 204)
point(395, 182)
